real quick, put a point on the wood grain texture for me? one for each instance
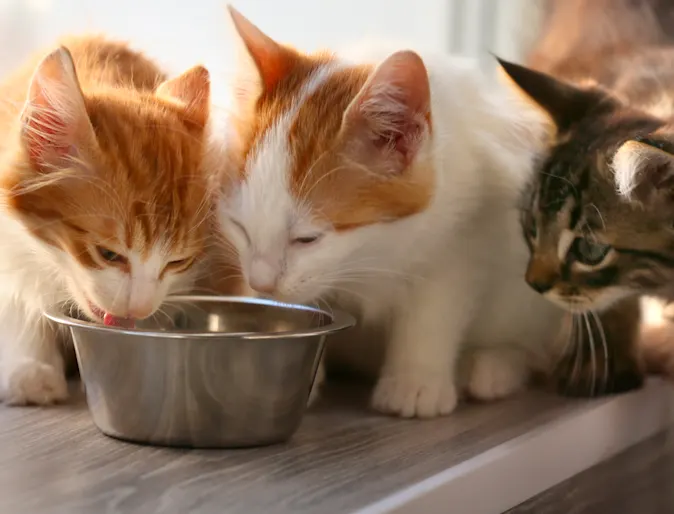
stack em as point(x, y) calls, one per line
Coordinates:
point(343, 458)
point(637, 481)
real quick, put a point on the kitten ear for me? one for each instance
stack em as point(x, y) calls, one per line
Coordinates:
point(392, 113)
point(644, 171)
point(192, 90)
point(54, 118)
point(265, 62)
point(563, 102)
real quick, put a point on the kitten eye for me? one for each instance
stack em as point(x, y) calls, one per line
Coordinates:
point(589, 252)
point(240, 228)
point(109, 255)
point(306, 240)
point(180, 264)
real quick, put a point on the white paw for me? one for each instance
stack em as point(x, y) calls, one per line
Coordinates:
point(496, 374)
point(410, 396)
point(315, 393)
point(30, 382)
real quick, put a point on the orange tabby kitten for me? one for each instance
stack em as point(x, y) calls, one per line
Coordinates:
point(102, 198)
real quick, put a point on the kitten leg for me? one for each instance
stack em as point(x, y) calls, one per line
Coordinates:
point(315, 393)
point(417, 378)
point(595, 369)
point(31, 365)
point(495, 373)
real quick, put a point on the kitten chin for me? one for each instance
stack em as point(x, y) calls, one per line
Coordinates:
point(97, 210)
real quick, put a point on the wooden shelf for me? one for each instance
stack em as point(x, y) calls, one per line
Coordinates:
point(344, 459)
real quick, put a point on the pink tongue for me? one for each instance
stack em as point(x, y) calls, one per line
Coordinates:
point(114, 321)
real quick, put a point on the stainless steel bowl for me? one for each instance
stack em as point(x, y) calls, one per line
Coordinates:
point(206, 371)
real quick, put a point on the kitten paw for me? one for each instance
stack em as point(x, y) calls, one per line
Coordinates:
point(415, 396)
point(315, 393)
point(31, 382)
point(496, 374)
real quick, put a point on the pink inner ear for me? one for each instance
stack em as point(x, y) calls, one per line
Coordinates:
point(401, 135)
point(44, 131)
point(394, 107)
point(55, 111)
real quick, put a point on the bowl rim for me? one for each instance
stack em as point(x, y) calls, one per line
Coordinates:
point(340, 321)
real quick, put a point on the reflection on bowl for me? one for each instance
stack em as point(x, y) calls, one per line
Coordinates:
point(204, 371)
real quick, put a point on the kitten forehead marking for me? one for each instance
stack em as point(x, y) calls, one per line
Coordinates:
point(565, 240)
point(322, 176)
point(264, 197)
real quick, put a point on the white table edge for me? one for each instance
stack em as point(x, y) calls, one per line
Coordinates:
point(519, 469)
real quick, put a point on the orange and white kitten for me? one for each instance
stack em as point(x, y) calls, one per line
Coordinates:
point(389, 184)
point(102, 198)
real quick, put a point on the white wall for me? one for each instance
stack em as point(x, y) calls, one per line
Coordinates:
point(181, 33)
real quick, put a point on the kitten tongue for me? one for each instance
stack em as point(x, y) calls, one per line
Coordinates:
point(114, 321)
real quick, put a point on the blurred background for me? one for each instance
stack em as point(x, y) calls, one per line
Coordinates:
point(182, 33)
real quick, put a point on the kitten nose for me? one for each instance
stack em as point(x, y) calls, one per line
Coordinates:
point(141, 298)
point(263, 276)
point(541, 275)
point(540, 287)
point(139, 311)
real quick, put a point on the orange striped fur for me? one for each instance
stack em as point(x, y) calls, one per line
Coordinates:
point(326, 171)
point(103, 201)
point(141, 170)
point(107, 155)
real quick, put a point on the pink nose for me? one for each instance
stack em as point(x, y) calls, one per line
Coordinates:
point(262, 286)
point(263, 276)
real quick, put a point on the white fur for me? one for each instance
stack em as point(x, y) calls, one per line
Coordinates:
point(34, 276)
point(632, 160)
point(445, 280)
point(627, 161)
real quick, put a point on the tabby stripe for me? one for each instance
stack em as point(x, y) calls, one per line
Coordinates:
point(664, 259)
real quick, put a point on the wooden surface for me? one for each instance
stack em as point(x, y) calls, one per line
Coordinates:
point(638, 481)
point(343, 458)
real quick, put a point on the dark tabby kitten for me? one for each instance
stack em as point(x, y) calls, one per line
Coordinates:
point(599, 216)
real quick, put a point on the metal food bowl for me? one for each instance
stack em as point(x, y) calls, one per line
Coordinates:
point(205, 371)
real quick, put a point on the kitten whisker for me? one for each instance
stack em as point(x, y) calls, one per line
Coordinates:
point(161, 311)
point(577, 366)
point(570, 340)
point(593, 355)
point(604, 344)
point(359, 296)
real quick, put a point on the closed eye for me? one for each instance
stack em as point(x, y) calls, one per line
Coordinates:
point(241, 229)
point(306, 240)
point(178, 265)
